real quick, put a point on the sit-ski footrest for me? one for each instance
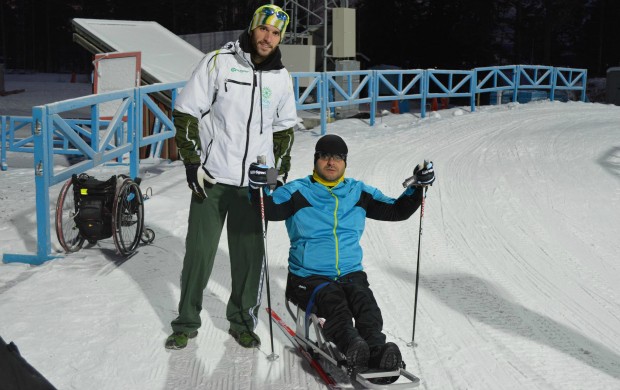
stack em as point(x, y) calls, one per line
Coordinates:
point(363, 379)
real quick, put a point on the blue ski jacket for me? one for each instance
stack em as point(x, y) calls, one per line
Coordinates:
point(325, 224)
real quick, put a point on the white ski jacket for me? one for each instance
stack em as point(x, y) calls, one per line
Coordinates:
point(238, 106)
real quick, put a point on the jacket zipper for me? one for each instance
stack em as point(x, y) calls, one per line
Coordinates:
point(247, 131)
point(226, 81)
point(334, 231)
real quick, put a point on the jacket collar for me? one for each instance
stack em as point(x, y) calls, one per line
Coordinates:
point(330, 184)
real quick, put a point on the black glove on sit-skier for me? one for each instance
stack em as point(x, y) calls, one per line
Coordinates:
point(424, 173)
point(260, 175)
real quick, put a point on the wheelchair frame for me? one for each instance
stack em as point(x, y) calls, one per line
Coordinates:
point(127, 217)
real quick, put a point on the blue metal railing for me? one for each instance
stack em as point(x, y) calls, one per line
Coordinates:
point(10, 126)
point(570, 79)
point(495, 79)
point(401, 85)
point(338, 89)
point(99, 141)
point(344, 88)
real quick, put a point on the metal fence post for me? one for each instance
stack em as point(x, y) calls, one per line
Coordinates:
point(43, 167)
point(373, 90)
point(324, 98)
point(585, 85)
point(134, 123)
point(472, 90)
point(425, 84)
point(554, 80)
point(3, 131)
point(517, 82)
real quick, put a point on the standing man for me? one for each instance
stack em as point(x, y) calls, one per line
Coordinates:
point(225, 117)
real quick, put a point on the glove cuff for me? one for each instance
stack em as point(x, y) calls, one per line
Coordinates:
point(204, 175)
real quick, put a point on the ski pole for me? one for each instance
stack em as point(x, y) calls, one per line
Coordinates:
point(273, 356)
point(417, 272)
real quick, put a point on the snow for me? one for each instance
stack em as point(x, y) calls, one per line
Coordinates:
point(160, 49)
point(39, 90)
point(519, 273)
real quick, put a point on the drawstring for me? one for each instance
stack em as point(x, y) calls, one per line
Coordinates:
point(260, 92)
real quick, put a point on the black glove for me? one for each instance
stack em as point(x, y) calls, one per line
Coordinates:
point(424, 173)
point(260, 175)
point(196, 176)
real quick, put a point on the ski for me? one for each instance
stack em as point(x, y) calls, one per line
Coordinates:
point(291, 335)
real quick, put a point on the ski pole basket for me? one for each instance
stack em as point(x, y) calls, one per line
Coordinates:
point(91, 210)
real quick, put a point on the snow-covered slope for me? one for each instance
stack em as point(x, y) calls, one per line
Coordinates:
point(519, 282)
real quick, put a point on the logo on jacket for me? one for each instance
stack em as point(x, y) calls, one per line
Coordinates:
point(266, 92)
point(239, 70)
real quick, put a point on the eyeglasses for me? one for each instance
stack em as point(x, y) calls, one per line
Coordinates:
point(326, 156)
point(268, 11)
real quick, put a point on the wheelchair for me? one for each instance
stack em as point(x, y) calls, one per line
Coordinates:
point(91, 210)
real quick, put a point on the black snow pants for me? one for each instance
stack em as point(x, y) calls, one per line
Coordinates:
point(340, 302)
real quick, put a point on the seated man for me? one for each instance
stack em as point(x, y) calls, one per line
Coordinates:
point(325, 217)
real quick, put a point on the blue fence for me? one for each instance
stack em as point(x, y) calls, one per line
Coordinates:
point(336, 89)
point(10, 126)
point(98, 141)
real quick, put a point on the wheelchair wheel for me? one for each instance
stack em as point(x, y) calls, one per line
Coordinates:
point(127, 217)
point(66, 229)
point(148, 235)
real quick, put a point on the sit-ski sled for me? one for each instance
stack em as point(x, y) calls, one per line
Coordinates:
point(320, 349)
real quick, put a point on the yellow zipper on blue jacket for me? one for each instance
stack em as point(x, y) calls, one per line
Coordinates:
point(334, 231)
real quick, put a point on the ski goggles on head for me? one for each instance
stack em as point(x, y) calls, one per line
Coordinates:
point(271, 15)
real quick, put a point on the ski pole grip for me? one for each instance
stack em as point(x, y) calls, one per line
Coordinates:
point(409, 181)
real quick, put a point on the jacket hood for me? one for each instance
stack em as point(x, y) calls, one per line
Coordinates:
point(273, 62)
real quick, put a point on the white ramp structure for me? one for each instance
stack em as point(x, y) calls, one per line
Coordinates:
point(165, 57)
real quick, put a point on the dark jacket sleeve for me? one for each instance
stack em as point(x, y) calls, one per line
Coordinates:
point(187, 137)
point(277, 211)
point(282, 144)
point(401, 209)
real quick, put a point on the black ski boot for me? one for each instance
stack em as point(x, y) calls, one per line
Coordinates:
point(386, 357)
point(357, 355)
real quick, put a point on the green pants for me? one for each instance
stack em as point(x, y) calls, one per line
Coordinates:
point(245, 246)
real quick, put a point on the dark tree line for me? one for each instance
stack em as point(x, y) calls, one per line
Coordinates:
point(448, 34)
point(37, 34)
point(462, 34)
